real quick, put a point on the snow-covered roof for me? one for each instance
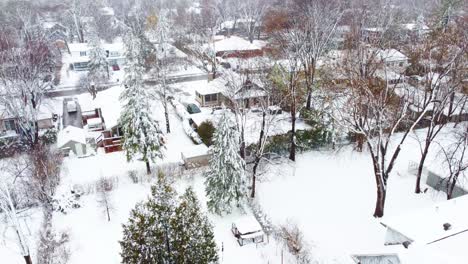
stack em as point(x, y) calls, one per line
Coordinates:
point(78, 47)
point(107, 11)
point(195, 151)
point(71, 134)
point(426, 225)
point(414, 26)
point(247, 224)
point(235, 43)
point(374, 29)
point(230, 23)
point(212, 87)
point(388, 75)
point(391, 55)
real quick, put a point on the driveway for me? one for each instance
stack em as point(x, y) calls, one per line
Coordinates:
point(72, 119)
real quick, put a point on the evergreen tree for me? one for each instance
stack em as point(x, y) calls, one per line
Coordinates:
point(158, 232)
point(148, 236)
point(193, 233)
point(98, 65)
point(136, 243)
point(141, 132)
point(225, 180)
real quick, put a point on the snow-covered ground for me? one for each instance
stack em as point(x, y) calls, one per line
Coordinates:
point(330, 195)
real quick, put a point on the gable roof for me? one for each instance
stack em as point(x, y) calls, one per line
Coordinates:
point(71, 134)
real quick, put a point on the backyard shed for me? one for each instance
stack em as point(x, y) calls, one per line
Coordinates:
point(72, 139)
point(196, 156)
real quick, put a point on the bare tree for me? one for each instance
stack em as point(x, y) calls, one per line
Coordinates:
point(319, 22)
point(368, 103)
point(455, 159)
point(268, 123)
point(442, 61)
point(104, 188)
point(43, 174)
point(26, 74)
point(253, 11)
point(9, 206)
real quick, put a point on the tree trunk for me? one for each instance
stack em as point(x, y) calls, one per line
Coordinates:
point(254, 176)
point(166, 114)
point(421, 167)
point(148, 168)
point(380, 203)
point(258, 155)
point(292, 151)
point(27, 259)
point(451, 186)
point(242, 143)
point(309, 87)
point(107, 210)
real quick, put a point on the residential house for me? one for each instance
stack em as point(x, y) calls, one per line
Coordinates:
point(9, 126)
point(431, 235)
point(56, 33)
point(220, 91)
point(79, 53)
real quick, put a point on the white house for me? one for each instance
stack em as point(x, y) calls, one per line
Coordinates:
point(393, 59)
point(79, 53)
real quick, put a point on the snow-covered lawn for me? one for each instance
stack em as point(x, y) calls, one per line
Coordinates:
point(331, 196)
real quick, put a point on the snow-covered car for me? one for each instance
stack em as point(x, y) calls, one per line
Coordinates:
point(180, 110)
point(190, 132)
point(71, 107)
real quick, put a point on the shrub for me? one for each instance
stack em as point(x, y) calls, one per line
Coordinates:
point(206, 130)
point(133, 175)
point(50, 136)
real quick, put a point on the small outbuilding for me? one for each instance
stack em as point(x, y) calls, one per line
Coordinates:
point(72, 139)
point(248, 230)
point(196, 156)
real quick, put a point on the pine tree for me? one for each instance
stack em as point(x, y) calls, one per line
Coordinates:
point(162, 205)
point(193, 233)
point(136, 243)
point(141, 132)
point(225, 180)
point(148, 235)
point(98, 65)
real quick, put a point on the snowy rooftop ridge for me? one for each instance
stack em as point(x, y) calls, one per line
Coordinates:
point(235, 43)
point(71, 133)
point(429, 224)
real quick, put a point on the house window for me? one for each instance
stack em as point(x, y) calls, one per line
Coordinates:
point(114, 54)
point(82, 53)
point(10, 125)
point(211, 98)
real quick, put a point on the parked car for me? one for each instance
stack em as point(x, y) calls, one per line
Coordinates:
point(193, 109)
point(71, 107)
